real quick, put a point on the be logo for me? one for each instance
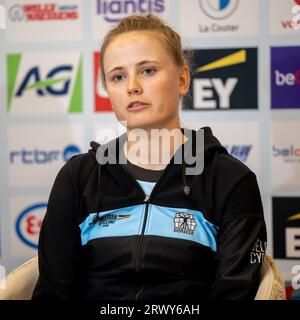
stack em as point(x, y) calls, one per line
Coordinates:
point(48, 83)
point(223, 79)
point(29, 222)
point(286, 228)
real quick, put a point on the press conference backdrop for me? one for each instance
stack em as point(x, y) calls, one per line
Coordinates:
point(245, 86)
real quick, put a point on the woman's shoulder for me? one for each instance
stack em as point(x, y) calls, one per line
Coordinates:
point(231, 169)
point(79, 166)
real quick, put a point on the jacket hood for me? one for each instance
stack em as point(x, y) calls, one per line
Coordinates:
point(191, 150)
point(211, 143)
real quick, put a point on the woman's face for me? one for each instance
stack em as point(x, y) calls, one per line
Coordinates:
point(143, 82)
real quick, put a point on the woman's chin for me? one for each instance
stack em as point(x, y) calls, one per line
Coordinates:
point(140, 124)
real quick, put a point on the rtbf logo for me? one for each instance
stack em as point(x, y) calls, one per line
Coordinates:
point(285, 77)
point(39, 156)
point(29, 222)
point(115, 11)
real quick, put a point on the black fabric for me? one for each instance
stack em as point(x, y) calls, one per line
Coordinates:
point(139, 173)
point(227, 195)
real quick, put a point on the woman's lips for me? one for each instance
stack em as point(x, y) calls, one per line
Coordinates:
point(137, 106)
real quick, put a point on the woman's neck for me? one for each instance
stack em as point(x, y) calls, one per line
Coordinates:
point(152, 148)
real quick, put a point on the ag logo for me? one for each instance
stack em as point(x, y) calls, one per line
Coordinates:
point(56, 82)
point(44, 83)
point(218, 9)
point(29, 223)
point(184, 222)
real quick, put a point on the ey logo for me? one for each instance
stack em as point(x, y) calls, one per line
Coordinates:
point(205, 88)
point(292, 235)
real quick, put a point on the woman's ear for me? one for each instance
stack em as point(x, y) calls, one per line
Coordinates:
point(185, 79)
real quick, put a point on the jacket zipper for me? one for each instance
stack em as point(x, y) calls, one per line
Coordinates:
point(146, 201)
point(140, 244)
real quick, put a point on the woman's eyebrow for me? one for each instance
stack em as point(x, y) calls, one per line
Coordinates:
point(138, 64)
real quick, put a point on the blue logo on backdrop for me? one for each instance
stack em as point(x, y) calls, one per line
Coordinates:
point(288, 154)
point(218, 9)
point(114, 11)
point(38, 156)
point(53, 84)
point(240, 152)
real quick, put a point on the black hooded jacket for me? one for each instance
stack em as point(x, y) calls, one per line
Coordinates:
point(194, 237)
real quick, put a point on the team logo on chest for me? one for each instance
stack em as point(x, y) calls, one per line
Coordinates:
point(184, 222)
point(108, 219)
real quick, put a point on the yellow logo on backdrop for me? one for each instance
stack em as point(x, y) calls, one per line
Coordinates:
point(230, 60)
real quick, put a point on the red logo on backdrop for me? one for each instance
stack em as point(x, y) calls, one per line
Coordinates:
point(29, 222)
point(102, 102)
point(38, 12)
point(291, 24)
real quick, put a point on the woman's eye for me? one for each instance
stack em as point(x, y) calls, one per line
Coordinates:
point(149, 71)
point(117, 77)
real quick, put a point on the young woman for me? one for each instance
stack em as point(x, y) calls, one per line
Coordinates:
point(148, 230)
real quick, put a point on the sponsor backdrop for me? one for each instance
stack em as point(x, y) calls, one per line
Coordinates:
point(245, 86)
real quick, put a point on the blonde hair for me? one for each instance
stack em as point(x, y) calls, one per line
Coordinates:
point(170, 38)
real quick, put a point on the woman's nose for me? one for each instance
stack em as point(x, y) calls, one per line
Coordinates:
point(134, 87)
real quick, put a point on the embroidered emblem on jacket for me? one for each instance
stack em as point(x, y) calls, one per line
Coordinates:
point(184, 222)
point(108, 219)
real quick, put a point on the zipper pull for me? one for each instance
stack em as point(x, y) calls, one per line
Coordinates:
point(147, 198)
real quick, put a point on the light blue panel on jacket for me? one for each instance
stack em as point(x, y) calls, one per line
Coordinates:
point(146, 186)
point(181, 224)
point(113, 223)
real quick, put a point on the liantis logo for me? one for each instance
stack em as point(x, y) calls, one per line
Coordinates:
point(114, 11)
